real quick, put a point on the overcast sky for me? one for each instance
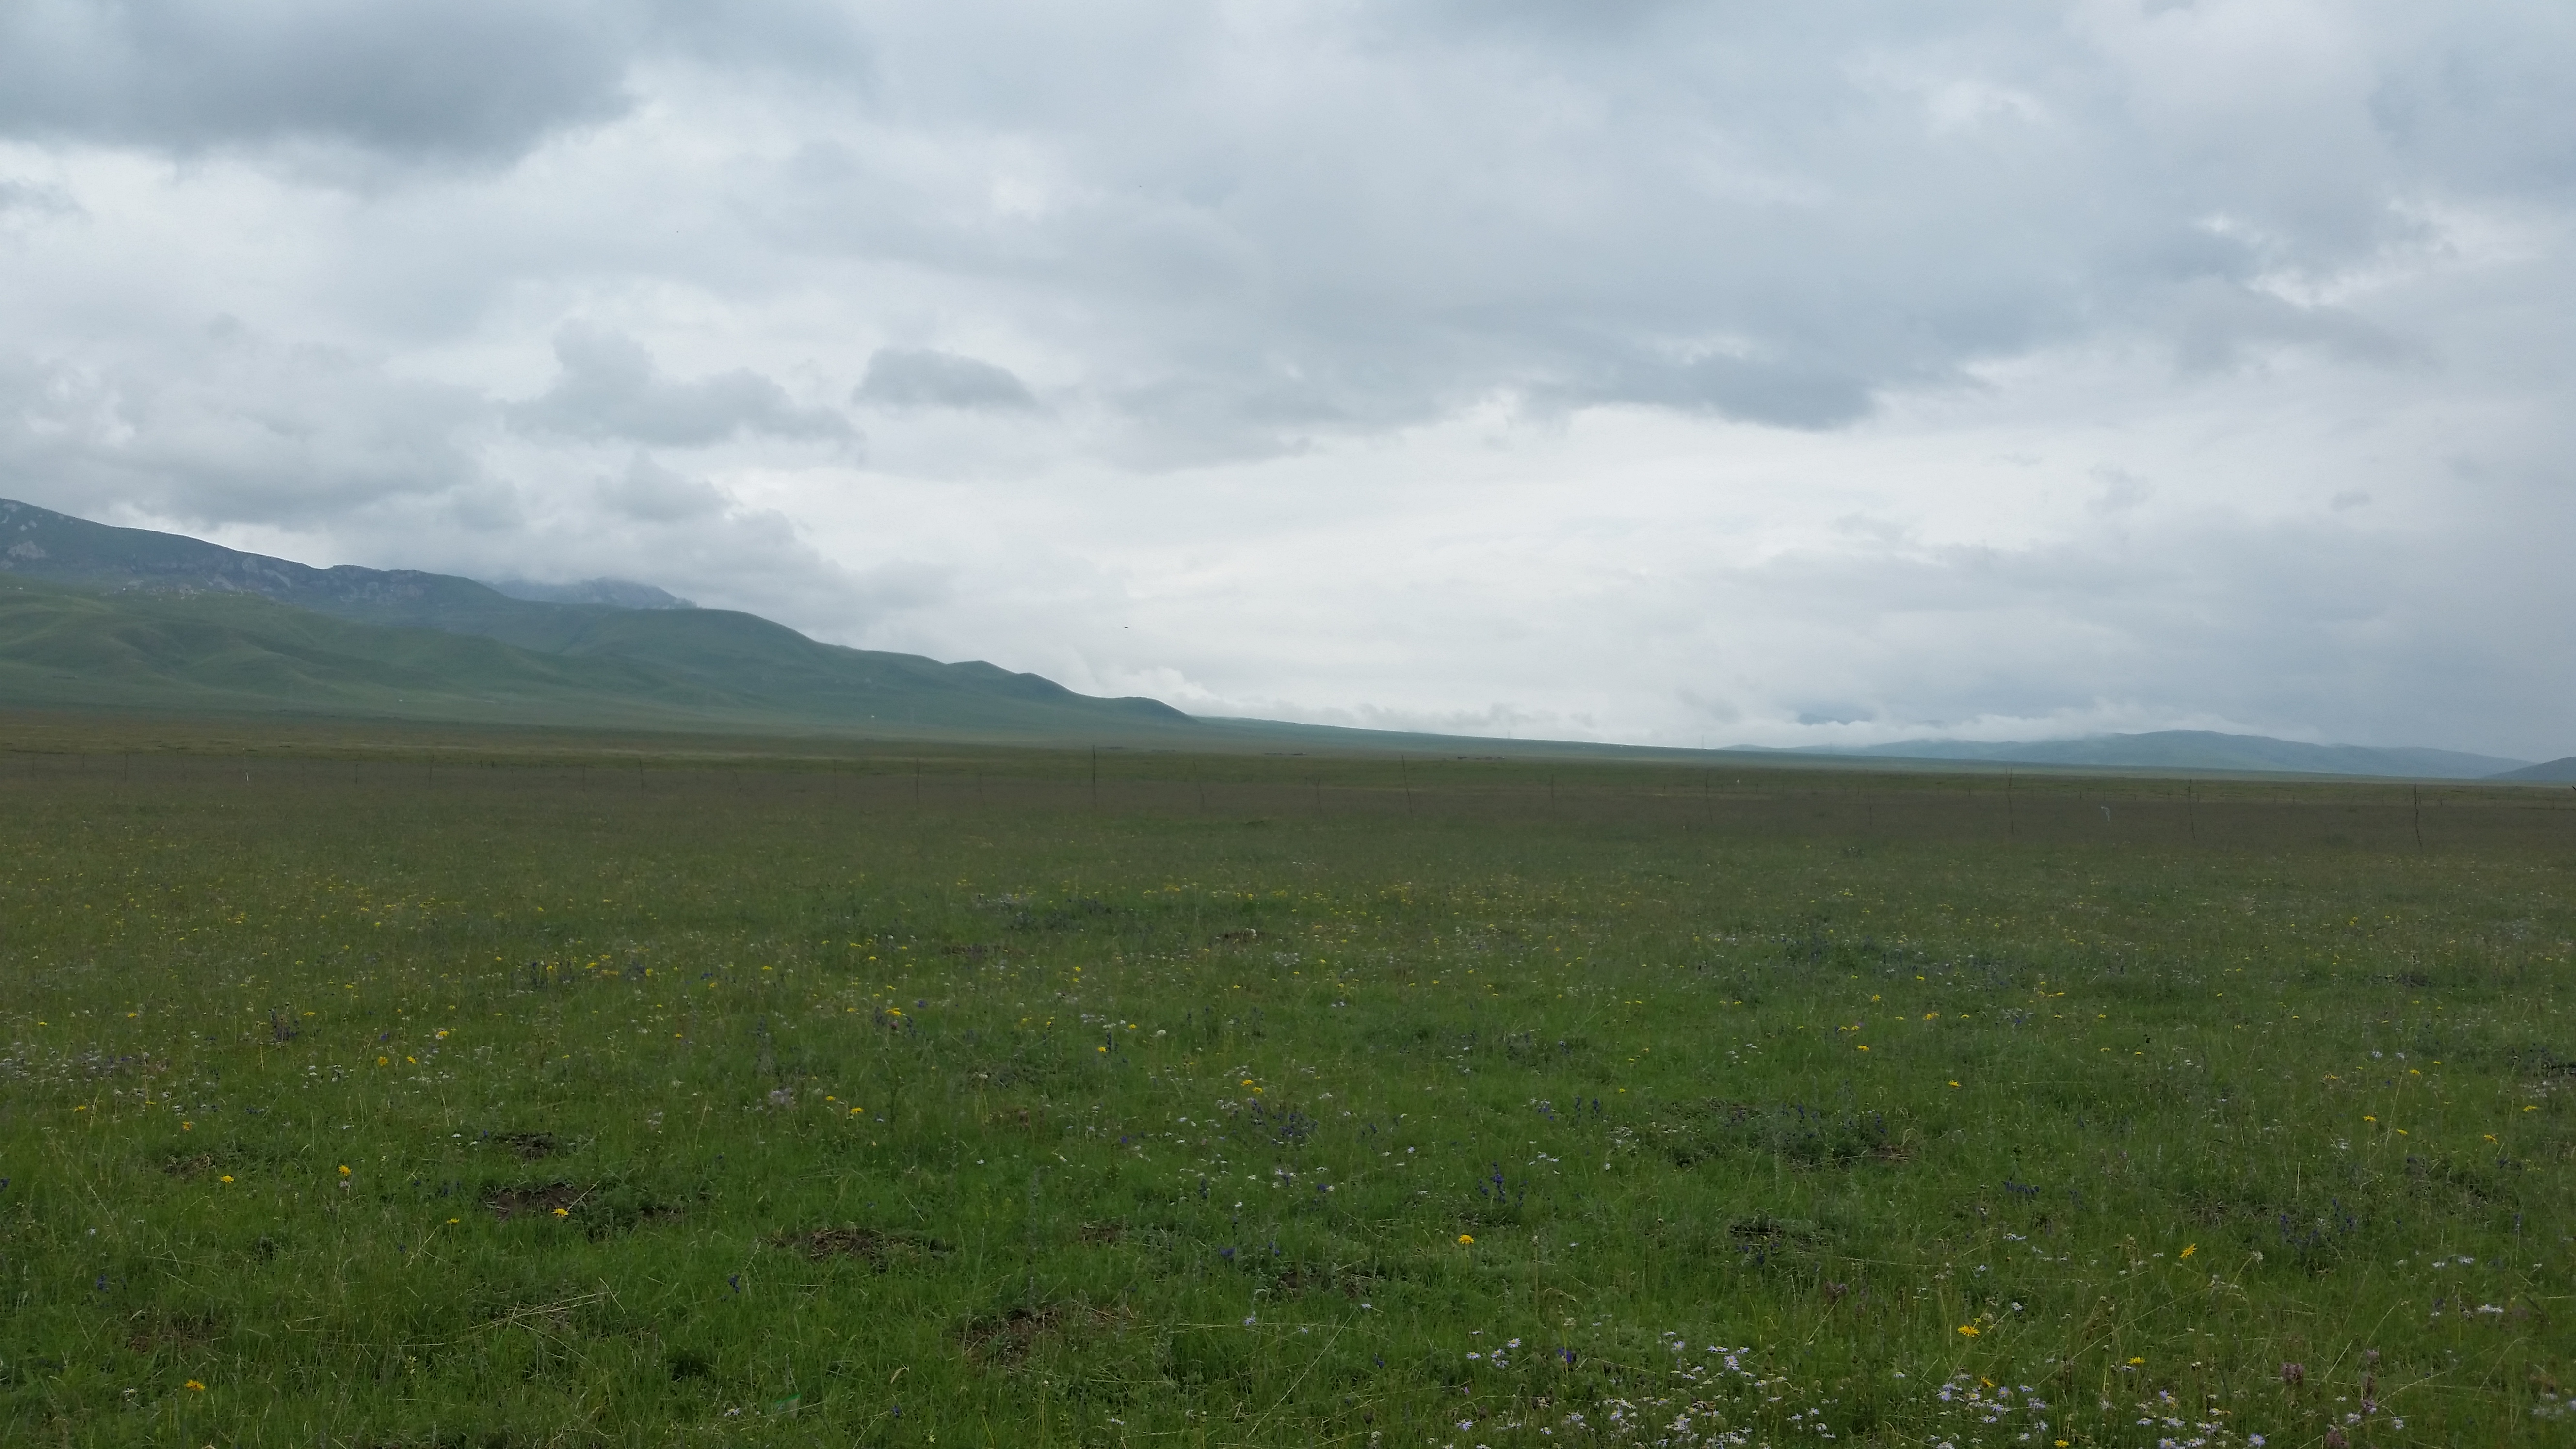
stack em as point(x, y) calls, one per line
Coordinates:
point(1711, 371)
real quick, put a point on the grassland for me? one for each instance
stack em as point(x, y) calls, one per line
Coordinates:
point(571, 1093)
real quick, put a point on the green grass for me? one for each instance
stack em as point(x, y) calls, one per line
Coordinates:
point(571, 1098)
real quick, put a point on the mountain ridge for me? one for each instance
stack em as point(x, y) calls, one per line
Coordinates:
point(187, 613)
point(2193, 749)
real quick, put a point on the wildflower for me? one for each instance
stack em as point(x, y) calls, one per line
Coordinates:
point(563, 1212)
point(2294, 1374)
point(344, 1169)
point(228, 1177)
point(2137, 1360)
point(1467, 1238)
point(198, 1387)
point(1968, 1330)
point(2188, 1250)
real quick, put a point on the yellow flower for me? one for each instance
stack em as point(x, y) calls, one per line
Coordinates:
point(2369, 1119)
point(563, 1212)
point(2187, 1251)
point(1466, 1238)
point(451, 1222)
point(380, 1061)
point(228, 1177)
point(344, 1169)
point(2137, 1360)
point(200, 1388)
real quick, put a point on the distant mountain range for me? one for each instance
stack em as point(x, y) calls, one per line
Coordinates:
point(2201, 750)
point(2555, 772)
point(93, 616)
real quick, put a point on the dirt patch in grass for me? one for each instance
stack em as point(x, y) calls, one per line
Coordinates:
point(152, 1332)
point(519, 1202)
point(879, 1249)
point(1007, 1339)
point(600, 1208)
point(189, 1164)
point(530, 1146)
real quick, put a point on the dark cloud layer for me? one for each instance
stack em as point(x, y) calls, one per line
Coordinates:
point(431, 77)
point(461, 79)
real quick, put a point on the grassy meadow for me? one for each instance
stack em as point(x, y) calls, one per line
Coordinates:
point(526, 1092)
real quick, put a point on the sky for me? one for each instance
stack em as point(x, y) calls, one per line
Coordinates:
point(1675, 373)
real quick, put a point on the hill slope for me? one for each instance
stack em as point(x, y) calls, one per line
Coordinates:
point(120, 616)
point(2197, 750)
point(66, 647)
point(2554, 772)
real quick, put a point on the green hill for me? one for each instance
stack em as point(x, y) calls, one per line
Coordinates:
point(94, 616)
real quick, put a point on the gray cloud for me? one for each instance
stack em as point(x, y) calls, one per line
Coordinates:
point(1783, 216)
point(610, 388)
point(461, 79)
point(914, 377)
